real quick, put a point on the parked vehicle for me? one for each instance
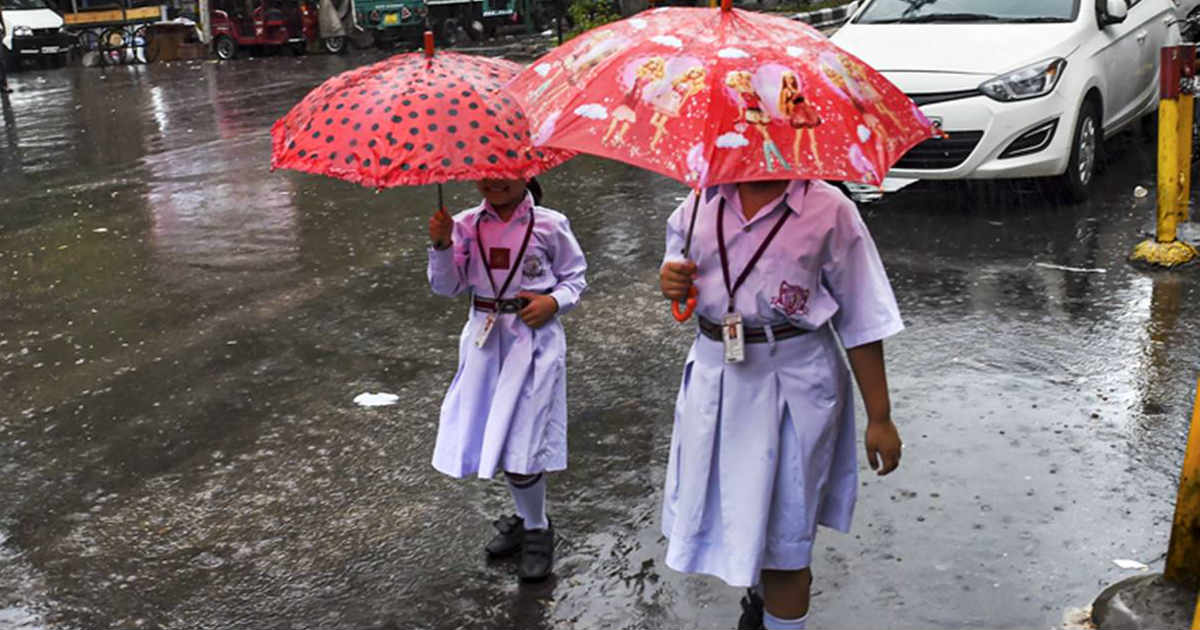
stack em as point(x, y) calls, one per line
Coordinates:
point(388, 21)
point(1024, 88)
point(34, 31)
point(240, 24)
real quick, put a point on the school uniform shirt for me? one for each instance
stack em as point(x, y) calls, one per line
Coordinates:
point(764, 450)
point(507, 404)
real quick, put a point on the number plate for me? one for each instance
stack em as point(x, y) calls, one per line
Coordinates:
point(50, 50)
point(391, 18)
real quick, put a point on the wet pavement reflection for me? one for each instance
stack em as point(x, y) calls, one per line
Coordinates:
point(183, 332)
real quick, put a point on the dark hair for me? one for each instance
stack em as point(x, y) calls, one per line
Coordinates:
point(534, 189)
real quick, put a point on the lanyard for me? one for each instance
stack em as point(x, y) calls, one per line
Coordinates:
point(731, 289)
point(483, 259)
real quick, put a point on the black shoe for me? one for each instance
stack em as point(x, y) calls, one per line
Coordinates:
point(537, 554)
point(752, 611)
point(510, 534)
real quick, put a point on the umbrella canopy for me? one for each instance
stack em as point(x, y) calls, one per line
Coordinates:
point(708, 96)
point(413, 119)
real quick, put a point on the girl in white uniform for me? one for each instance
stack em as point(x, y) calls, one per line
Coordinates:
point(507, 405)
point(763, 447)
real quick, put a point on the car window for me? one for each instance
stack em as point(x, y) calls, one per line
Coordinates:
point(22, 5)
point(958, 11)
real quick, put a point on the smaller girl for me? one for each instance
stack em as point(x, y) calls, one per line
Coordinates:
point(801, 115)
point(507, 405)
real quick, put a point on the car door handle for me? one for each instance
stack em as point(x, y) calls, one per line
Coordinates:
point(1141, 37)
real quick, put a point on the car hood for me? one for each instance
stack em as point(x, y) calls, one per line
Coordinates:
point(32, 18)
point(971, 49)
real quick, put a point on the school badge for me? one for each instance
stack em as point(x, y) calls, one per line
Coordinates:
point(792, 299)
point(532, 267)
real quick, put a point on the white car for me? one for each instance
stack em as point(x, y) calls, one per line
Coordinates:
point(33, 30)
point(1023, 88)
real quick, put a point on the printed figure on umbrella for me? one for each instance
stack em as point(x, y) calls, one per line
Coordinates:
point(664, 85)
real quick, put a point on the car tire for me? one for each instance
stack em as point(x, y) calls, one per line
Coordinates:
point(334, 45)
point(1076, 183)
point(225, 47)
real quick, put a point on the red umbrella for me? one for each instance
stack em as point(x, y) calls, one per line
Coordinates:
point(709, 96)
point(411, 120)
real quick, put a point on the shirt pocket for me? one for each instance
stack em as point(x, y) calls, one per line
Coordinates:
point(790, 289)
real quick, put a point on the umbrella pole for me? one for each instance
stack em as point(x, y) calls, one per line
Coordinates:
point(683, 313)
point(441, 204)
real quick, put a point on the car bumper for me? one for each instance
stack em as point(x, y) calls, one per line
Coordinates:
point(55, 44)
point(982, 133)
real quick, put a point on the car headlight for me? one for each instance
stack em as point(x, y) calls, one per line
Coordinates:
point(22, 31)
point(1032, 81)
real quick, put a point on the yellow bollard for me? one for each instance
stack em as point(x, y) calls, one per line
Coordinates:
point(1175, 110)
point(1183, 552)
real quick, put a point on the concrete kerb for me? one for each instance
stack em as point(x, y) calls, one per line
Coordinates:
point(1144, 602)
point(832, 16)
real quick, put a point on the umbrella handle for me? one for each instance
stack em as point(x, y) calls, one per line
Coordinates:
point(682, 316)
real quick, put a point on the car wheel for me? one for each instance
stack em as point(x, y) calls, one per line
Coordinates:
point(226, 48)
point(335, 45)
point(1076, 183)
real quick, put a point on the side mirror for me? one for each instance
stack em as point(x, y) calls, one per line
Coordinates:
point(1115, 12)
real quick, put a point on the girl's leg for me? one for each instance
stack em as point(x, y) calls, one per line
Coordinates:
point(529, 495)
point(785, 594)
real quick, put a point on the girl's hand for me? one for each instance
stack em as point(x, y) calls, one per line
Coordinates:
point(441, 226)
point(676, 278)
point(541, 309)
point(883, 445)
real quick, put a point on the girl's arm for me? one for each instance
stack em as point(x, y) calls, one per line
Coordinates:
point(882, 439)
point(569, 267)
point(447, 269)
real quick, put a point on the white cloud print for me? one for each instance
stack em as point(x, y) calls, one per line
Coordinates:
point(593, 111)
point(733, 53)
point(795, 51)
point(732, 140)
point(638, 23)
point(542, 69)
point(667, 40)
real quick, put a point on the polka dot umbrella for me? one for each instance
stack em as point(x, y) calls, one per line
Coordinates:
point(411, 120)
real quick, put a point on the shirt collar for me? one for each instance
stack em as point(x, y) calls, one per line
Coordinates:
point(521, 210)
point(796, 191)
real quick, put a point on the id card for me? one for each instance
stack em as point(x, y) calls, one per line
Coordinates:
point(732, 335)
point(486, 331)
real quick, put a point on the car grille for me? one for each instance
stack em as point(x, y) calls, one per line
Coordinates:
point(43, 32)
point(941, 153)
point(930, 98)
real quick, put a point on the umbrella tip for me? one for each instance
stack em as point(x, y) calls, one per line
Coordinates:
point(429, 44)
point(726, 5)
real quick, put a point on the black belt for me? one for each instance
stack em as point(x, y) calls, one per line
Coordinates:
point(500, 306)
point(753, 334)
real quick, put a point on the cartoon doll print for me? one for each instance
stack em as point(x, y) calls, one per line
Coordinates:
point(571, 68)
point(648, 73)
point(754, 114)
point(667, 103)
point(801, 115)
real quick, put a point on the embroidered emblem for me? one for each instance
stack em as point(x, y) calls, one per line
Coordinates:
point(532, 267)
point(792, 300)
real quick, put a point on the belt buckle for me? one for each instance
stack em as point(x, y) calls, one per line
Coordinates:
point(512, 306)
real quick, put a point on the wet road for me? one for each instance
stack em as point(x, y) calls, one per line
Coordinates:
point(182, 334)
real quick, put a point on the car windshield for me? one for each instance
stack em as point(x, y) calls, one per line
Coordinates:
point(959, 11)
point(22, 5)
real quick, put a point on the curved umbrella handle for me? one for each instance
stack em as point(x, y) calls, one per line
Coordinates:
point(686, 313)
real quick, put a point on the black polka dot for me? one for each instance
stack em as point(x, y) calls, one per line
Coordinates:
point(308, 127)
point(414, 131)
point(387, 110)
point(349, 159)
point(439, 95)
point(292, 145)
point(453, 112)
point(468, 160)
point(429, 147)
point(406, 102)
point(326, 108)
point(511, 154)
point(484, 139)
point(375, 127)
point(313, 156)
point(454, 101)
point(405, 166)
point(333, 156)
point(433, 127)
point(460, 144)
point(370, 110)
point(367, 162)
point(328, 139)
point(445, 161)
point(328, 121)
point(465, 93)
point(385, 161)
point(354, 107)
point(540, 154)
point(302, 153)
point(408, 146)
point(431, 112)
point(474, 124)
point(423, 97)
point(372, 143)
point(341, 106)
point(490, 112)
point(316, 134)
point(345, 121)
point(357, 126)
point(493, 159)
point(473, 106)
point(423, 167)
point(353, 142)
point(412, 115)
point(391, 140)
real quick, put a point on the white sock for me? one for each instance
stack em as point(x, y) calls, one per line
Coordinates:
point(771, 622)
point(531, 502)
